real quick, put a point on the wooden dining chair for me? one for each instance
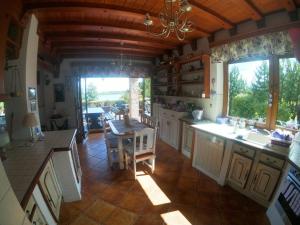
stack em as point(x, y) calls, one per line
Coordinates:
point(111, 142)
point(140, 150)
point(149, 121)
point(119, 115)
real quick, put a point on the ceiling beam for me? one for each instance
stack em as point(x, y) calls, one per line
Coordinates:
point(99, 36)
point(107, 43)
point(95, 41)
point(289, 5)
point(109, 9)
point(225, 23)
point(106, 55)
point(85, 28)
point(117, 48)
point(254, 11)
point(116, 51)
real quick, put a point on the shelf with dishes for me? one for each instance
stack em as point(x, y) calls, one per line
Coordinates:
point(187, 78)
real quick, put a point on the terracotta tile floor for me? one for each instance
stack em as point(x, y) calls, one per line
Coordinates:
point(112, 197)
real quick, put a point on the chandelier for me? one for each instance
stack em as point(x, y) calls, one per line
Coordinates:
point(120, 64)
point(173, 18)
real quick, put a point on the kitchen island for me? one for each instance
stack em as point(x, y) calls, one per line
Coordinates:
point(43, 172)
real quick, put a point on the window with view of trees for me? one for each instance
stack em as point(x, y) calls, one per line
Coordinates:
point(249, 89)
point(288, 114)
point(267, 94)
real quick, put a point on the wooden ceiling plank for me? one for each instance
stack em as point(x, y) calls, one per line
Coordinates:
point(105, 55)
point(106, 8)
point(50, 28)
point(138, 45)
point(104, 51)
point(289, 5)
point(254, 11)
point(225, 23)
point(88, 48)
point(71, 35)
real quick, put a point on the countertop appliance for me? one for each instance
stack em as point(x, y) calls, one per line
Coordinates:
point(285, 208)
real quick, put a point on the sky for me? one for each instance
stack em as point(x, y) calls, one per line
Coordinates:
point(109, 84)
point(247, 69)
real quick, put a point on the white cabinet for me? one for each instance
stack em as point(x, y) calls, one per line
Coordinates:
point(170, 126)
point(38, 218)
point(254, 173)
point(68, 171)
point(239, 170)
point(187, 139)
point(50, 189)
point(208, 154)
point(264, 181)
point(155, 110)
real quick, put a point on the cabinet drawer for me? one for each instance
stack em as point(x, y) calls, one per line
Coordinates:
point(271, 160)
point(244, 150)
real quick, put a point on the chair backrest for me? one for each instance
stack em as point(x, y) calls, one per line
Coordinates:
point(144, 141)
point(149, 121)
point(119, 115)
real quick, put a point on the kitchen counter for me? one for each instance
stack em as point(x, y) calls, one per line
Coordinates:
point(25, 161)
point(190, 120)
point(227, 132)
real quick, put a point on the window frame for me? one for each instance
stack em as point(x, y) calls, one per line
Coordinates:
point(274, 89)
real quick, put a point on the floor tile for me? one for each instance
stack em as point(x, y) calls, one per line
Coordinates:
point(100, 211)
point(121, 217)
point(113, 197)
point(84, 220)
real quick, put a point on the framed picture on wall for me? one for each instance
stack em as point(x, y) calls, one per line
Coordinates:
point(59, 92)
point(32, 93)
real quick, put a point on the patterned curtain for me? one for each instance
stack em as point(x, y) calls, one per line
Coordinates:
point(295, 36)
point(107, 70)
point(278, 43)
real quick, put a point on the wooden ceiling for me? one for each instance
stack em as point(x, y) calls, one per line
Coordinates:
point(75, 28)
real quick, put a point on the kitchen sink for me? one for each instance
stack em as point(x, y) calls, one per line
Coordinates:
point(258, 138)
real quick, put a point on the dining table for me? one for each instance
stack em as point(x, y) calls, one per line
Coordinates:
point(124, 129)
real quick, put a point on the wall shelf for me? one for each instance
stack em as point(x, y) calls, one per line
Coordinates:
point(178, 87)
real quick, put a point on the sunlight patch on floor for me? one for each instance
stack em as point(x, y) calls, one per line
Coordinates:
point(152, 190)
point(175, 218)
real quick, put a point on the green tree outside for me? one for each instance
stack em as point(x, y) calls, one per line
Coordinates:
point(251, 100)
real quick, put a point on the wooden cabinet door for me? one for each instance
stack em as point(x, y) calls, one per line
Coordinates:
point(239, 170)
point(215, 152)
point(174, 133)
point(163, 129)
point(75, 159)
point(200, 153)
point(187, 141)
point(38, 218)
point(264, 181)
point(51, 189)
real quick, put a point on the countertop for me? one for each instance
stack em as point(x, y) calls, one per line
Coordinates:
point(227, 132)
point(25, 161)
point(190, 120)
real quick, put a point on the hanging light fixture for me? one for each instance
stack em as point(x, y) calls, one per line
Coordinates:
point(173, 18)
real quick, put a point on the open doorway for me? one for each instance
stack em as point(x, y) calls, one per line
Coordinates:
point(102, 98)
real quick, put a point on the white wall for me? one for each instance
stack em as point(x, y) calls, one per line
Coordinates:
point(27, 67)
point(66, 108)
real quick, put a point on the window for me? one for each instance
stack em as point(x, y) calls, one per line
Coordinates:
point(249, 90)
point(267, 91)
point(288, 114)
